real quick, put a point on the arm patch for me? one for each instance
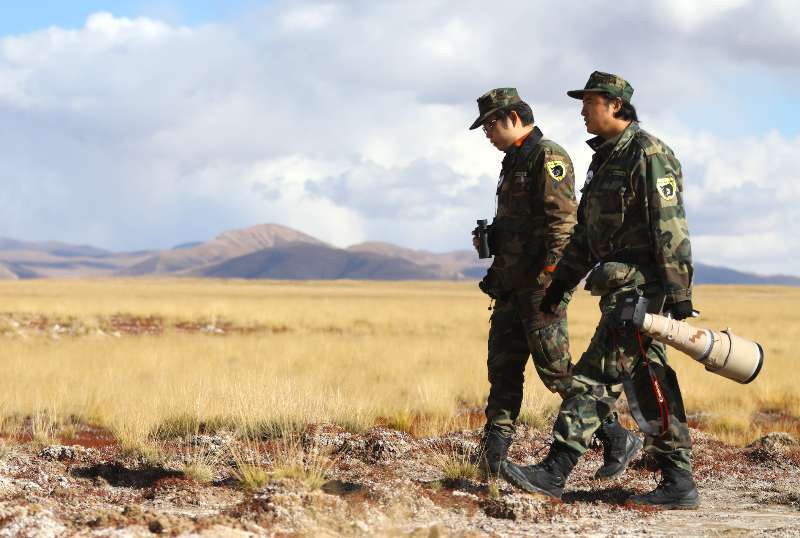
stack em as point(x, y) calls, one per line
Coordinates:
point(556, 169)
point(667, 188)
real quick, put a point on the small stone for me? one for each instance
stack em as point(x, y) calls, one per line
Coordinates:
point(57, 452)
point(157, 526)
point(132, 511)
point(60, 492)
point(776, 440)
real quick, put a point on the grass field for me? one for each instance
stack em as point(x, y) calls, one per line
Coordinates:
point(153, 359)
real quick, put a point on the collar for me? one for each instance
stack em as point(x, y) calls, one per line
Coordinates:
point(600, 144)
point(518, 142)
point(531, 138)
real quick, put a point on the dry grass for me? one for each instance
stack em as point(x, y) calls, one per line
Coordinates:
point(250, 477)
point(309, 465)
point(408, 355)
point(456, 465)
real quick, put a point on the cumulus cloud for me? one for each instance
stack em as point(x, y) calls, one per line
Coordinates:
point(417, 191)
point(348, 119)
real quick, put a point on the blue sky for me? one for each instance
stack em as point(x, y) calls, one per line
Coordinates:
point(758, 100)
point(145, 124)
point(24, 17)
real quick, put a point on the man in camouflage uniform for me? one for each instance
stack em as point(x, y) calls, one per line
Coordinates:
point(632, 235)
point(535, 216)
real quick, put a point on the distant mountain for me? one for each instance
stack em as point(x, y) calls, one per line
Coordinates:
point(278, 252)
point(450, 265)
point(304, 261)
point(23, 259)
point(6, 273)
point(226, 246)
point(709, 274)
point(53, 247)
point(187, 245)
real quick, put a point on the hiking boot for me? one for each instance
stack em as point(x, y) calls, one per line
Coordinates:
point(619, 447)
point(493, 450)
point(676, 490)
point(547, 477)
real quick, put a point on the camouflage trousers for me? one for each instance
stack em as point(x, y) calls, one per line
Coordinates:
point(519, 330)
point(616, 356)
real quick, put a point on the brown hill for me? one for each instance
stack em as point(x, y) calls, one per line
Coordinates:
point(274, 251)
point(6, 273)
point(305, 261)
point(50, 259)
point(55, 248)
point(449, 265)
point(226, 246)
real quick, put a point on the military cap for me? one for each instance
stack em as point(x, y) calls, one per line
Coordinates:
point(492, 101)
point(605, 82)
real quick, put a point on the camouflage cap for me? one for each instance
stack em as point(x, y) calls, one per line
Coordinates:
point(605, 82)
point(492, 101)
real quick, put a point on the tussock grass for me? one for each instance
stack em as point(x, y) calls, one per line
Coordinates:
point(199, 472)
point(249, 470)
point(292, 460)
point(198, 462)
point(456, 466)
point(12, 426)
point(456, 462)
point(250, 477)
point(409, 355)
point(44, 425)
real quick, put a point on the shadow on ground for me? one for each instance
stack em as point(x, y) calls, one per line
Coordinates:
point(614, 495)
point(121, 476)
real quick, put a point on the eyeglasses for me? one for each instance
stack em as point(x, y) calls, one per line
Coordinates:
point(489, 125)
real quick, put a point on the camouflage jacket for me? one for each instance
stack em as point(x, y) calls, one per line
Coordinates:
point(632, 211)
point(535, 212)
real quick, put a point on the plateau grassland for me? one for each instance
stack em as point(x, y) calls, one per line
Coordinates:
point(150, 360)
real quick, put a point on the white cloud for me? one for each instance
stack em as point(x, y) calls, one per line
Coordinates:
point(348, 120)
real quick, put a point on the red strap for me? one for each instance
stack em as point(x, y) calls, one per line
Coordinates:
point(663, 405)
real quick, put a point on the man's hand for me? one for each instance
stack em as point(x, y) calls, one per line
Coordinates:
point(679, 310)
point(553, 296)
point(546, 275)
point(491, 286)
point(486, 288)
point(476, 239)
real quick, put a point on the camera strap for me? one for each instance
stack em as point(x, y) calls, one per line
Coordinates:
point(637, 386)
point(658, 391)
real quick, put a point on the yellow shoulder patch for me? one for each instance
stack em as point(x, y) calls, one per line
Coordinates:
point(667, 188)
point(556, 169)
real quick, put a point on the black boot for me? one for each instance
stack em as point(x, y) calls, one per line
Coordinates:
point(547, 477)
point(676, 491)
point(493, 450)
point(619, 447)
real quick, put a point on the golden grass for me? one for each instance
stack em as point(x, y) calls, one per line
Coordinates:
point(309, 465)
point(408, 355)
point(456, 465)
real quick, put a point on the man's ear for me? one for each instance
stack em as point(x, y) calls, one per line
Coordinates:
point(514, 117)
point(616, 105)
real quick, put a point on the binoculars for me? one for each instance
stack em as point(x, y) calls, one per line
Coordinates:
point(482, 233)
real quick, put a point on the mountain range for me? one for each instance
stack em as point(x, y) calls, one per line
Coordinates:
point(277, 252)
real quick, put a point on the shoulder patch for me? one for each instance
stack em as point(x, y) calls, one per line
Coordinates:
point(667, 188)
point(556, 169)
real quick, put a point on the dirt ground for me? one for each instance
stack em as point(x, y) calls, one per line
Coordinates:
point(381, 482)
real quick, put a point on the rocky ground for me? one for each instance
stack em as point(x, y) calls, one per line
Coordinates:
point(381, 482)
